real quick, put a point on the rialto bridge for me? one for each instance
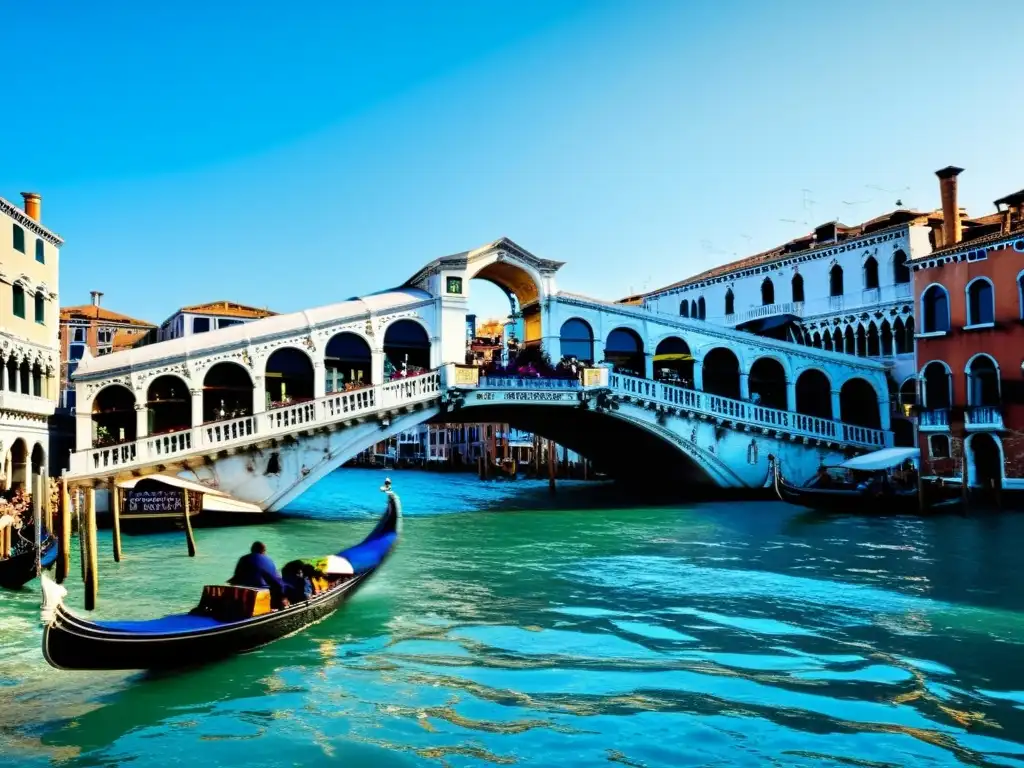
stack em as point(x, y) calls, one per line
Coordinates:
point(265, 409)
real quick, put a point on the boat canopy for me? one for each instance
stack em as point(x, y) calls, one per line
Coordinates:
point(883, 459)
point(213, 500)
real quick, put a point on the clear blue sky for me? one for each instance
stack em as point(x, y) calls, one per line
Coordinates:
point(295, 154)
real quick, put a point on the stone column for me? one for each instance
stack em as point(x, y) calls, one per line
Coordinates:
point(885, 413)
point(698, 375)
point(197, 407)
point(791, 396)
point(259, 394)
point(744, 386)
point(83, 431)
point(836, 410)
point(319, 379)
point(377, 365)
point(141, 421)
point(648, 365)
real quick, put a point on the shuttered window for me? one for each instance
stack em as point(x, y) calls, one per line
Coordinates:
point(19, 238)
point(19, 301)
point(40, 309)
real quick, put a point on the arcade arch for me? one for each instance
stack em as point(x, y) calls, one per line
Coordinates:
point(113, 416)
point(348, 362)
point(227, 392)
point(406, 349)
point(168, 405)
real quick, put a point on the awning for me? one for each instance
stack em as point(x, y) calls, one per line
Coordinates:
point(213, 499)
point(883, 459)
point(673, 357)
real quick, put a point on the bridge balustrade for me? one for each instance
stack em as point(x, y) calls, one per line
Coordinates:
point(749, 413)
point(515, 382)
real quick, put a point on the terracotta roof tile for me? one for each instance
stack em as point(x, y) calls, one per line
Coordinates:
point(227, 309)
point(93, 312)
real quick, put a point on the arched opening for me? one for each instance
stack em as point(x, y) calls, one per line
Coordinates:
point(862, 341)
point(693, 309)
point(576, 339)
point(515, 281)
point(38, 465)
point(227, 393)
point(169, 405)
point(827, 341)
point(900, 270)
point(816, 340)
point(874, 348)
point(625, 351)
point(835, 281)
point(767, 383)
point(702, 308)
point(37, 380)
point(837, 340)
point(767, 292)
point(938, 386)
point(347, 363)
point(798, 288)
point(814, 394)
point(980, 302)
point(983, 386)
point(851, 343)
point(12, 375)
point(899, 336)
point(903, 433)
point(908, 395)
point(673, 362)
point(908, 332)
point(935, 309)
point(858, 404)
point(721, 373)
point(406, 349)
point(885, 334)
point(288, 378)
point(730, 302)
point(25, 378)
point(113, 416)
point(987, 460)
point(684, 308)
point(870, 273)
point(19, 466)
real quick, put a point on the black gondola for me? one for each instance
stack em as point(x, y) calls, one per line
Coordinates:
point(71, 642)
point(19, 568)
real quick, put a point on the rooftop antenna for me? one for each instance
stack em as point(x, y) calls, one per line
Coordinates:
point(897, 192)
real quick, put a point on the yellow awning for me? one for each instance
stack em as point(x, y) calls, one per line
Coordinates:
point(670, 358)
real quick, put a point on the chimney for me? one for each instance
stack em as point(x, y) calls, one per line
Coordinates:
point(96, 297)
point(950, 209)
point(33, 205)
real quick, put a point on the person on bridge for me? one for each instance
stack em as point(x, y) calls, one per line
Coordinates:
point(258, 570)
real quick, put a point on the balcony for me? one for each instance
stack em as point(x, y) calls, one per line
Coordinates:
point(771, 310)
point(16, 401)
point(934, 420)
point(983, 417)
point(835, 303)
point(871, 295)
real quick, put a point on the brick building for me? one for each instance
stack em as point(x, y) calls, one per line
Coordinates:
point(970, 344)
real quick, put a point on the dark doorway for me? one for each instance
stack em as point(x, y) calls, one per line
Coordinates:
point(858, 404)
point(814, 394)
point(768, 383)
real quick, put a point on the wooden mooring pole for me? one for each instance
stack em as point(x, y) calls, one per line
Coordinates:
point(115, 517)
point(551, 466)
point(64, 537)
point(189, 538)
point(37, 515)
point(92, 566)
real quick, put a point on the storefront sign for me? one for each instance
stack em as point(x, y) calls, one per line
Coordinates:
point(546, 397)
point(166, 501)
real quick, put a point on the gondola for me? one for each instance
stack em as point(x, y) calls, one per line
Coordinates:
point(19, 568)
point(199, 637)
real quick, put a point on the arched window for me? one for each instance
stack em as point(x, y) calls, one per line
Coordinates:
point(873, 340)
point(406, 349)
point(18, 298)
point(730, 302)
point(684, 308)
point(624, 349)
point(870, 273)
point(814, 394)
point(858, 404)
point(721, 373)
point(693, 309)
point(900, 270)
point(767, 383)
point(40, 254)
point(937, 389)
point(577, 340)
point(851, 344)
point(348, 363)
point(40, 308)
point(980, 302)
point(908, 392)
point(908, 330)
point(701, 308)
point(798, 288)
point(673, 362)
point(767, 292)
point(886, 336)
point(938, 446)
point(983, 386)
point(935, 309)
point(835, 281)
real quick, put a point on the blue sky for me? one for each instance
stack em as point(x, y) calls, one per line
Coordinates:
point(291, 155)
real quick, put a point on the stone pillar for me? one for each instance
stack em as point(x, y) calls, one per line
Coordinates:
point(698, 375)
point(319, 379)
point(83, 431)
point(791, 396)
point(836, 410)
point(598, 350)
point(885, 413)
point(141, 421)
point(377, 365)
point(744, 386)
point(197, 407)
point(259, 394)
point(648, 365)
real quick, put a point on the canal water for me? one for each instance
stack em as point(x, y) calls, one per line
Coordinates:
point(506, 632)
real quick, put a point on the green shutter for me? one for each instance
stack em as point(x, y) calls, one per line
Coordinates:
point(19, 301)
point(40, 309)
point(19, 238)
point(40, 256)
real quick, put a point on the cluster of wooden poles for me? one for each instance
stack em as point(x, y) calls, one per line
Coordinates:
point(80, 502)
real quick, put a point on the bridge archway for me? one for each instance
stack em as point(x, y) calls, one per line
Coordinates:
point(673, 361)
point(576, 339)
point(520, 283)
point(227, 392)
point(721, 373)
point(113, 416)
point(858, 404)
point(624, 349)
point(168, 405)
point(348, 362)
point(288, 377)
point(406, 349)
point(814, 394)
point(768, 382)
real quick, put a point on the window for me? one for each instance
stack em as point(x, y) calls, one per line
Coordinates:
point(78, 333)
point(19, 301)
point(701, 308)
point(40, 309)
point(40, 255)
point(935, 309)
point(19, 238)
point(870, 273)
point(980, 302)
point(684, 308)
point(105, 336)
point(900, 270)
point(938, 386)
point(69, 399)
point(730, 302)
point(798, 289)
point(767, 292)
point(72, 367)
point(225, 323)
point(983, 382)
point(938, 446)
point(200, 324)
point(75, 351)
point(835, 281)
point(454, 285)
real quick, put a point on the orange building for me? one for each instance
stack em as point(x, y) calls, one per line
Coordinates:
point(970, 345)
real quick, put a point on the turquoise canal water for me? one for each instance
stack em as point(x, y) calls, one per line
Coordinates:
point(503, 632)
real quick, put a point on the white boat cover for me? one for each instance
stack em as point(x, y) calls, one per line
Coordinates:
point(213, 499)
point(6, 521)
point(883, 459)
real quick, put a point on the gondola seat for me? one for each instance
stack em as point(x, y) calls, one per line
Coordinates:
point(230, 603)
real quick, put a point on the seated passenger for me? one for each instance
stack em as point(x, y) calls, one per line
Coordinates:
point(298, 579)
point(258, 570)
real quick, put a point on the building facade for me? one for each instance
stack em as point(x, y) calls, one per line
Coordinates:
point(202, 318)
point(970, 347)
point(29, 384)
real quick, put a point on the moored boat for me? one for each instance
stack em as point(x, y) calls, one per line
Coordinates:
point(206, 633)
point(18, 567)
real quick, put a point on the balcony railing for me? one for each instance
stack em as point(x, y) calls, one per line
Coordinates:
point(515, 382)
point(983, 417)
point(934, 419)
point(18, 401)
point(771, 310)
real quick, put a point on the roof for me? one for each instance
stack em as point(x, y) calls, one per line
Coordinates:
point(227, 309)
point(800, 245)
point(244, 333)
point(93, 312)
point(1014, 198)
point(6, 206)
